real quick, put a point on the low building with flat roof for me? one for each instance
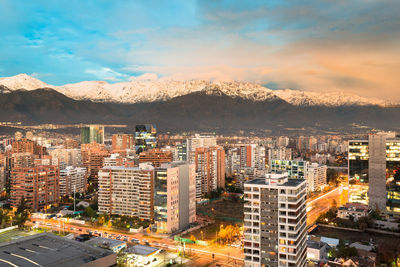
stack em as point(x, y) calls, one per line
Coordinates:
point(107, 243)
point(47, 249)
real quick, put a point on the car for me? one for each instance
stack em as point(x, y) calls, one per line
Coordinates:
point(154, 259)
point(134, 240)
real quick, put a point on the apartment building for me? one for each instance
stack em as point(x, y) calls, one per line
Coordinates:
point(127, 191)
point(38, 185)
point(210, 169)
point(72, 179)
point(156, 157)
point(275, 221)
point(93, 155)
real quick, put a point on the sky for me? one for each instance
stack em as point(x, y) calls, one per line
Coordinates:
point(341, 45)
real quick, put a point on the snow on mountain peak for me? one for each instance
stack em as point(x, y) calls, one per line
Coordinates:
point(22, 81)
point(150, 88)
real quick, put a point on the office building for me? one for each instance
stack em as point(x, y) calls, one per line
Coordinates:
point(296, 169)
point(156, 157)
point(92, 133)
point(275, 221)
point(182, 151)
point(174, 197)
point(38, 185)
point(145, 137)
point(127, 191)
point(210, 169)
point(72, 179)
point(373, 171)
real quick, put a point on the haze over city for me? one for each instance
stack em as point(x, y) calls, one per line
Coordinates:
point(199, 133)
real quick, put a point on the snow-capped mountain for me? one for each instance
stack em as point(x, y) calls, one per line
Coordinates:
point(163, 89)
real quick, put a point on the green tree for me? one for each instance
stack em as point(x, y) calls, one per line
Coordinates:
point(21, 214)
point(90, 212)
point(5, 218)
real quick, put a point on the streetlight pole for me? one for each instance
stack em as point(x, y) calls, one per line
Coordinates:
point(74, 197)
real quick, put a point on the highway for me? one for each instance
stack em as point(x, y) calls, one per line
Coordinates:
point(224, 255)
point(323, 203)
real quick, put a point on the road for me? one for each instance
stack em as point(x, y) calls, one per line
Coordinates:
point(224, 255)
point(323, 203)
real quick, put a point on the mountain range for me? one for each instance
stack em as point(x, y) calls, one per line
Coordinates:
point(150, 90)
point(223, 107)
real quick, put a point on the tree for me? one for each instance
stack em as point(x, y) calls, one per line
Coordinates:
point(4, 217)
point(21, 214)
point(389, 251)
point(90, 212)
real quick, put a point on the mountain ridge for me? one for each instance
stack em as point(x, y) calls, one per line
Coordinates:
point(206, 110)
point(152, 90)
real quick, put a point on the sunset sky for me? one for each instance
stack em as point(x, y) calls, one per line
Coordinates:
point(350, 46)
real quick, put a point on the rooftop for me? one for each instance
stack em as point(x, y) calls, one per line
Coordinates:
point(289, 182)
point(142, 250)
point(49, 250)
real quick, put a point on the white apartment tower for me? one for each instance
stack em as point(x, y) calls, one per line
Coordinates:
point(72, 179)
point(316, 176)
point(275, 221)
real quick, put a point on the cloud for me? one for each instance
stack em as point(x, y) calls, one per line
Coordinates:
point(320, 45)
point(107, 74)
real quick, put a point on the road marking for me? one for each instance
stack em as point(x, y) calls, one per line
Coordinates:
point(9, 262)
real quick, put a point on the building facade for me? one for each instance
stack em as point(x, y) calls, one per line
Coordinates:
point(156, 157)
point(72, 179)
point(38, 185)
point(275, 222)
point(210, 169)
point(374, 171)
point(145, 137)
point(92, 133)
point(127, 191)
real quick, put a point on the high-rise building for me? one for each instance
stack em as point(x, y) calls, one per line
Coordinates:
point(279, 153)
point(72, 179)
point(316, 177)
point(127, 191)
point(67, 157)
point(38, 185)
point(145, 137)
point(182, 151)
point(196, 142)
point(210, 169)
point(122, 142)
point(22, 160)
point(93, 155)
point(92, 133)
point(27, 146)
point(156, 157)
point(174, 197)
point(113, 160)
point(275, 221)
point(296, 169)
point(374, 167)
